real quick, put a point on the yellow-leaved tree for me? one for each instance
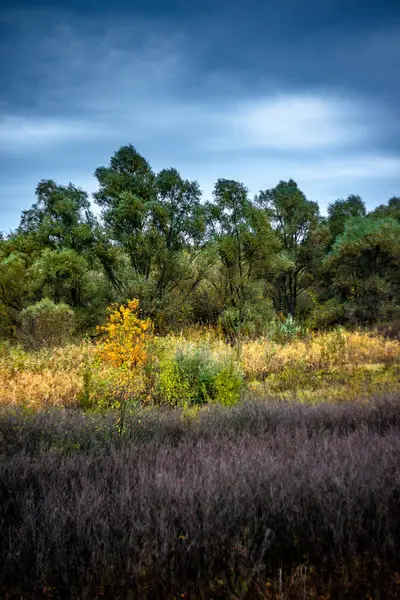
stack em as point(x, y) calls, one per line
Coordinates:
point(125, 347)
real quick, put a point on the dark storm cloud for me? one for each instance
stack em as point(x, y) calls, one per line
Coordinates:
point(257, 91)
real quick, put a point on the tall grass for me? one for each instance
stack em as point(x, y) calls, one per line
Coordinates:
point(335, 365)
point(263, 500)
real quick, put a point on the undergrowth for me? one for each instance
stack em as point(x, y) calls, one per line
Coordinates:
point(199, 368)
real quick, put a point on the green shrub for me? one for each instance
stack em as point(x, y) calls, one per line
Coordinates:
point(229, 323)
point(194, 376)
point(227, 385)
point(327, 314)
point(284, 331)
point(46, 324)
point(250, 322)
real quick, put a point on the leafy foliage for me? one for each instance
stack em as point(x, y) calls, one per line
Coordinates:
point(364, 264)
point(233, 263)
point(125, 347)
point(46, 324)
point(341, 211)
point(194, 375)
point(60, 218)
point(296, 220)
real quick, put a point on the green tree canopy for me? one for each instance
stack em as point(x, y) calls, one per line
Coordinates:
point(365, 265)
point(295, 220)
point(234, 261)
point(158, 220)
point(247, 246)
point(391, 209)
point(341, 210)
point(61, 217)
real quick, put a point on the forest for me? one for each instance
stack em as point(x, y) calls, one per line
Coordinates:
point(199, 397)
point(234, 263)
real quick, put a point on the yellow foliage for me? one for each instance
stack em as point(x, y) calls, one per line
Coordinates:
point(125, 337)
point(125, 348)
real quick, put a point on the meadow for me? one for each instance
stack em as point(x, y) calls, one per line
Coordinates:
point(333, 366)
point(184, 466)
point(267, 500)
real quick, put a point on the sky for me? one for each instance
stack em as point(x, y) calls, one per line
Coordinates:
point(257, 91)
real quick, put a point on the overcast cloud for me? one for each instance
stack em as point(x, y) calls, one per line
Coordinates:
point(231, 91)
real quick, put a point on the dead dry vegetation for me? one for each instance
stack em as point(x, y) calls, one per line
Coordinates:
point(337, 365)
point(262, 500)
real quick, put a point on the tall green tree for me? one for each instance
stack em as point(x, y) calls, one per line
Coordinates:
point(391, 209)
point(341, 210)
point(126, 195)
point(179, 222)
point(157, 220)
point(17, 254)
point(296, 222)
point(364, 266)
point(14, 293)
point(60, 218)
point(247, 248)
point(68, 253)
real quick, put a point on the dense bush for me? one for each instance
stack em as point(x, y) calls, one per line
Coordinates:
point(195, 375)
point(231, 505)
point(47, 324)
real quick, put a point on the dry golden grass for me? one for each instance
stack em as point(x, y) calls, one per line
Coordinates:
point(44, 378)
point(328, 366)
point(322, 351)
point(333, 365)
point(40, 390)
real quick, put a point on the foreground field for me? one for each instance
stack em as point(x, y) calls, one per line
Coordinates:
point(266, 500)
point(145, 467)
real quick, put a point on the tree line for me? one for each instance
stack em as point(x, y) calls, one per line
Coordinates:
point(235, 261)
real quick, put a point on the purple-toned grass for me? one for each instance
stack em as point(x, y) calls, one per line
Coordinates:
point(208, 509)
